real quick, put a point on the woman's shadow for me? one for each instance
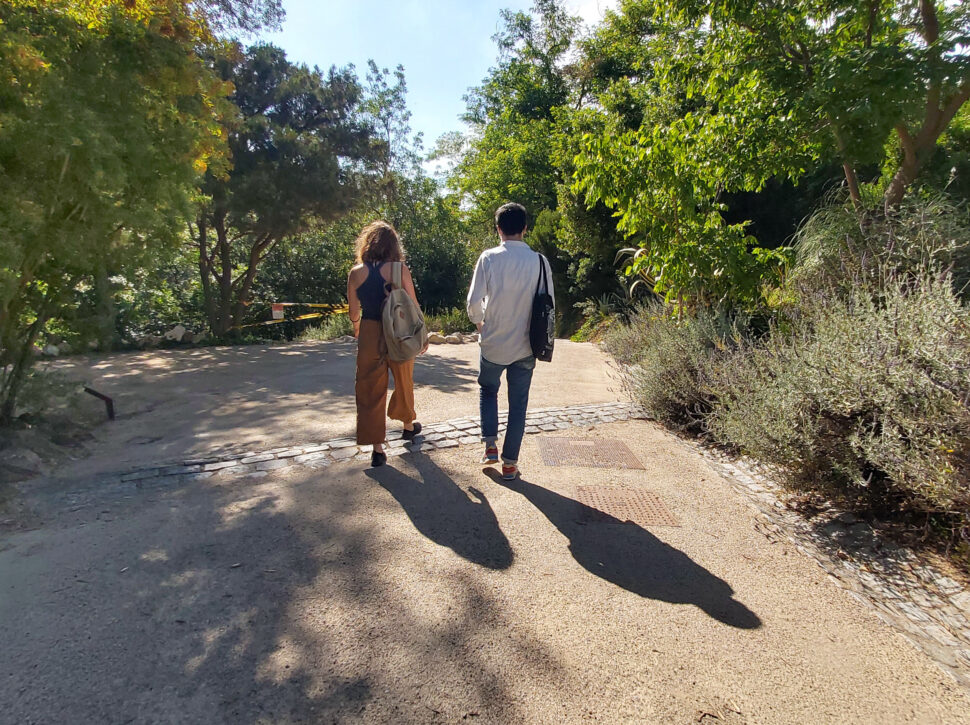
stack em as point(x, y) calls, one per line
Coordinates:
point(444, 513)
point(632, 558)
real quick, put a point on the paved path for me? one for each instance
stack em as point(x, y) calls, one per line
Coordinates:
point(430, 591)
point(177, 404)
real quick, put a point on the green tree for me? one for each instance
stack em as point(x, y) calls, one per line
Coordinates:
point(731, 96)
point(520, 148)
point(107, 115)
point(299, 152)
point(512, 115)
point(397, 152)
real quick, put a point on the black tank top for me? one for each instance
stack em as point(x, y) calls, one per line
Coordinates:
point(372, 292)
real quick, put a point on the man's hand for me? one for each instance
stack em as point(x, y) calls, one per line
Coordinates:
point(480, 325)
point(423, 349)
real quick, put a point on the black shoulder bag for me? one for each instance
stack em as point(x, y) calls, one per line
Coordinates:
point(542, 326)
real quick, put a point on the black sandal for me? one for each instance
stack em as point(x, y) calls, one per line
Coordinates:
point(377, 459)
point(408, 435)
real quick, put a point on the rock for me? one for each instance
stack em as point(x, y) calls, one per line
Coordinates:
point(150, 341)
point(176, 333)
point(20, 464)
point(436, 338)
point(454, 339)
point(65, 348)
point(471, 337)
point(347, 338)
point(93, 345)
point(51, 350)
point(198, 337)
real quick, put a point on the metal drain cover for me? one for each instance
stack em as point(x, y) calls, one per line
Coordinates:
point(588, 452)
point(613, 504)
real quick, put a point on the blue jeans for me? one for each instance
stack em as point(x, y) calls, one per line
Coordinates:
point(519, 377)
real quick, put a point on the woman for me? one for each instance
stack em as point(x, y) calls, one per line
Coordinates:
point(369, 281)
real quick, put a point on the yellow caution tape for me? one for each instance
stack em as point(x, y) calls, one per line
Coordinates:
point(334, 309)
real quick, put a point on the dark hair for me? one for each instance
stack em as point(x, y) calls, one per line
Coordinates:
point(378, 242)
point(510, 218)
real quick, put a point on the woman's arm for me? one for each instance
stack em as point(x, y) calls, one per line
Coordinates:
point(353, 303)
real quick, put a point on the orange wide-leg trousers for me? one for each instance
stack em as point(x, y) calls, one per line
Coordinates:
point(371, 387)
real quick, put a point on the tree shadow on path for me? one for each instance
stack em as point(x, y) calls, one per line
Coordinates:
point(444, 512)
point(629, 556)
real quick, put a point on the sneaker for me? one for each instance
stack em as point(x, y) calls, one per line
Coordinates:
point(491, 455)
point(377, 459)
point(509, 471)
point(408, 435)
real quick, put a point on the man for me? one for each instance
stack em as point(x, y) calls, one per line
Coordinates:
point(500, 305)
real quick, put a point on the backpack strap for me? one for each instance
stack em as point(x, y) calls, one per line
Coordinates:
point(396, 275)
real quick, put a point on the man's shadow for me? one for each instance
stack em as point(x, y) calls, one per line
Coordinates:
point(444, 513)
point(632, 558)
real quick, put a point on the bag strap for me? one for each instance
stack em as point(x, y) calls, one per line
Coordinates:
point(542, 282)
point(396, 275)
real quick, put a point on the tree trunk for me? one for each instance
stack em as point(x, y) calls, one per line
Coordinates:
point(105, 311)
point(850, 176)
point(853, 182)
point(205, 272)
point(256, 255)
point(22, 360)
point(904, 176)
point(224, 277)
point(937, 114)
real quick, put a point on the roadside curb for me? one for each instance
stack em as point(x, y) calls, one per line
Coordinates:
point(258, 464)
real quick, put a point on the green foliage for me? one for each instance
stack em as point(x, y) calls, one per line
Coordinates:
point(510, 154)
point(309, 267)
point(435, 241)
point(948, 169)
point(669, 361)
point(861, 383)
point(333, 327)
point(448, 321)
point(867, 391)
point(719, 97)
point(841, 248)
point(295, 148)
point(106, 117)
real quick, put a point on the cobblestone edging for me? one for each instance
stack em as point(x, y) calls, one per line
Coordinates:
point(931, 610)
point(434, 436)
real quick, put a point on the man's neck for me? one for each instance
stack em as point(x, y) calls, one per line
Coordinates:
point(513, 238)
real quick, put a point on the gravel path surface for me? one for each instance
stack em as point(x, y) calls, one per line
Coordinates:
point(430, 591)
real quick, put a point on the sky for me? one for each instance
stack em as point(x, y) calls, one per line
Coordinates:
point(445, 46)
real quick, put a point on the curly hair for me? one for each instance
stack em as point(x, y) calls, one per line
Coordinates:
point(378, 242)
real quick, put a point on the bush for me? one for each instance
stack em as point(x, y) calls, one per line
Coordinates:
point(668, 361)
point(839, 247)
point(449, 321)
point(869, 390)
point(333, 327)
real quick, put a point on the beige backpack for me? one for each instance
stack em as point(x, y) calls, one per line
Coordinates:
point(404, 330)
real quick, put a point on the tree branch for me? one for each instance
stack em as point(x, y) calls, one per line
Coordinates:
point(873, 8)
point(931, 24)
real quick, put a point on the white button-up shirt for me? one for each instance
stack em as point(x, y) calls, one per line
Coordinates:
point(501, 294)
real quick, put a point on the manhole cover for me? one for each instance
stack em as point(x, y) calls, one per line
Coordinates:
point(589, 452)
point(599, 503)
